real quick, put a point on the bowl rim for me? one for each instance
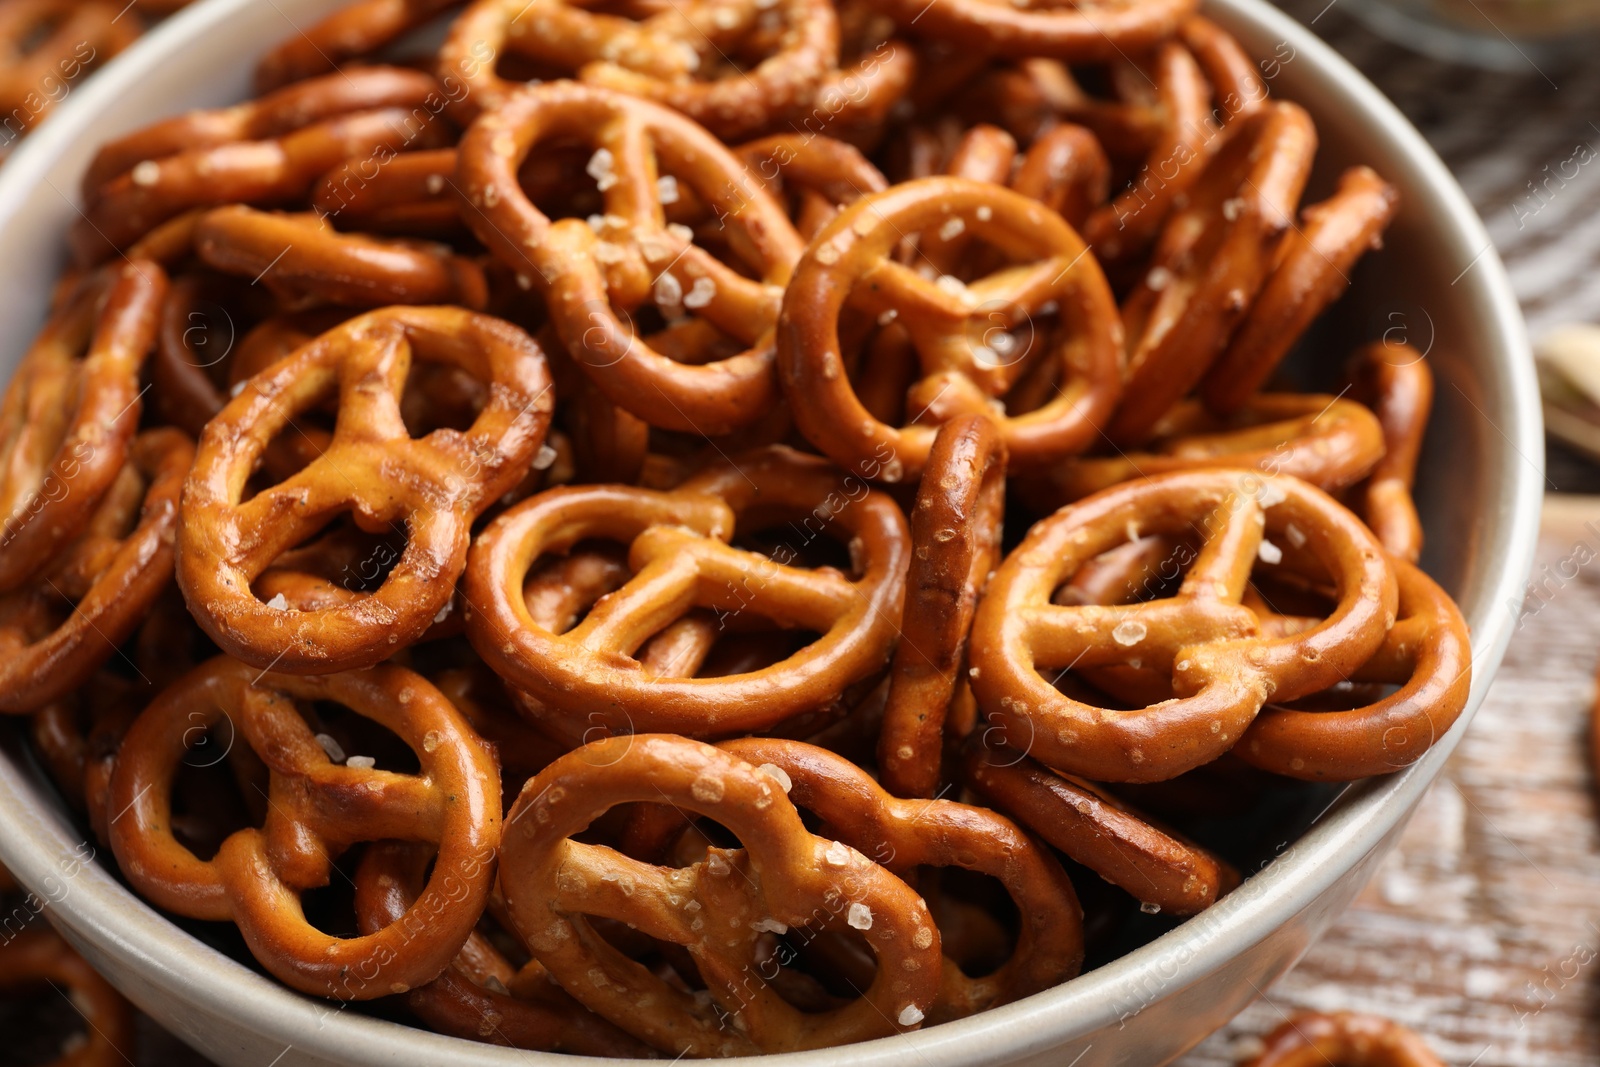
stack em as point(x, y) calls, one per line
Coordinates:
point(103, 913)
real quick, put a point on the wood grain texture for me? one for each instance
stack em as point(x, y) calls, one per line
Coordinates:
point(1481, 930)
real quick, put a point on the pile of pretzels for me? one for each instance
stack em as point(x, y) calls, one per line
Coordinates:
point(670, 528)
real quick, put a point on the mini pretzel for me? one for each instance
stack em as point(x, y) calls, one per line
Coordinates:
point(593, 281)
point(1325, 440)
point(1343, 1039)
point(266, 171)
point(33, 958)
point(1083, 32)
point(783, 879)
point(356, 30)
point(678, 57)
point(435, 485)
point(317, 810)
point(1222, 670)
point(70, 411)
point(949, 323)
point(1236, 81)
point(1157, 867)
point(262, 119)
point(1427, 653)
point(1314, 265)
point(412, 194)
point(1211, 260)
point(481, 995)
point(1394, 380)
point(109, 578)
point(299, 256)
point(680, 559)
point(955, 538)
point(908, 834)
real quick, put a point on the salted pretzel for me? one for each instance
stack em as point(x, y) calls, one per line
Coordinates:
point(1427, 653)
point(593, 281)
point(1313, 270)
point(783, 880)
point(1343, 1039)
point(1394, 380)
point(1222, 670)
point(89, 600)
point(45, 47)
point(353, 31)
point(264, 118)
point(955, 538)
point(303, 259)
point(1158, 867)
point(905, 835)
point(1328, 441)
point(268, 170)
point(1083, 32)
point(318, 809)
point(953, 327)
point(734, 66)
point(432, 487)
point(70, 411)
point(412, 194)
point(1211, 260)
point(680, 558)
point(39, 958)
point(481, 995)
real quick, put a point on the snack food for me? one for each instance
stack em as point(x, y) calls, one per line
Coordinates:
point(644, 433)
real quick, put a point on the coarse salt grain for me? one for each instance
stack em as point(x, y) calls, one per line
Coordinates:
point(1267, 552)
point(599, 168)
point(146, 173)
point(331, 747)
point(279, 603)
point(952, 229)
point(1296, 538)
point(667, 189)
point(1158, 279)
point(859, 917)
point(837, 854)
point(668, 290)
point(910, 1015)
point(777, 774)
point(1129, 632)
point(769, 926)
point(700, 293)
point(361, 763)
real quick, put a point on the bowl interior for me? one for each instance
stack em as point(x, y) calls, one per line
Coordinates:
point(1437, 284)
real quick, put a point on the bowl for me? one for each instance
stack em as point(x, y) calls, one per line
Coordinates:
point(1439, 285)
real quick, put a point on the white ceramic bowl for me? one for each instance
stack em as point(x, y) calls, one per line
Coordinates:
point(1438, 282)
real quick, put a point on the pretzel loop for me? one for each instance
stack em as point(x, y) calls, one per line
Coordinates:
point(317, 809)
point(41, 958)
point(433, 486)
point(1427, 654)
point(783, 878)
point(1222, 669)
